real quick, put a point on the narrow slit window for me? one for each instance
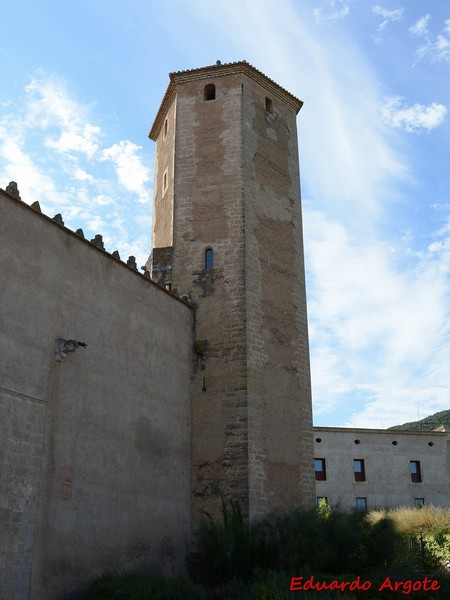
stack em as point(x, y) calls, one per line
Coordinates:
point(414, 469)
point(210, 92)
point(359, 469)
point(209, 258)
point(166, 127)
point(269, 106)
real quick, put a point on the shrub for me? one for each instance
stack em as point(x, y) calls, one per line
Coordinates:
point(224, 548)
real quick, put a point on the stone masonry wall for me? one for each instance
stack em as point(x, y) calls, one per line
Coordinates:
point(115, 448)
point(209, 214)
point(236, 191)
point(22, 421)
point(279, 387)
point(163, 191)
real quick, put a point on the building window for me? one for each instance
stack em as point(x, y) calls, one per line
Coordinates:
point(166, 127)
point(165, 181)
point(269, 106)
point(209, 258)
point(319, 467)
point(321, 500)
point(361, 504)
point(359, 470)
point(419, 502)
point(210, 92)
point(414, 469)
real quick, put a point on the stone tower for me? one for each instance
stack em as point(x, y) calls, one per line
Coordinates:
point(227, 233)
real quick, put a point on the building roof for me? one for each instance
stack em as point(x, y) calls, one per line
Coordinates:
point(393, 432)
point(219, 70)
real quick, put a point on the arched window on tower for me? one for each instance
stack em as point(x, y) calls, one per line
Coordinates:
point(209, 258)
point(210, 92)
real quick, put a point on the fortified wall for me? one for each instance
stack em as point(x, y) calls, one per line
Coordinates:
point(95, 442)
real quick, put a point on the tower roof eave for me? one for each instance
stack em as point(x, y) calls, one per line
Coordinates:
point(219, 70)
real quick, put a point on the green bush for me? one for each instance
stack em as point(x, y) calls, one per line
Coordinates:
point(321, 541)
point(231, 548)
point(437, 549)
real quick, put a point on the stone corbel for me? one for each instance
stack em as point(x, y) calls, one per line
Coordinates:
point(62, 347)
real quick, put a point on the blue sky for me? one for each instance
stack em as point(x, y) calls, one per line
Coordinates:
point(82, 81)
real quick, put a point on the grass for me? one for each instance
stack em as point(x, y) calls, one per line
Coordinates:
point(412, 521)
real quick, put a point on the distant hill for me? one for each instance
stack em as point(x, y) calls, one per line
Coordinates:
point(431, 422)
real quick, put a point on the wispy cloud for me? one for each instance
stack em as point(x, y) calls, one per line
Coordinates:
point(51, 107)
point(412, 118)
point(435, 49)
point(332, 10)
point(388, 16)
point(376, 323)
point(420, 27)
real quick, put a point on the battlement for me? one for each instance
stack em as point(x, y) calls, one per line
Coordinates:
point(12, 193)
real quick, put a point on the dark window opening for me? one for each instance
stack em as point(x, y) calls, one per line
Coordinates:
point(319, 467)
point(361, 504)
point(269, 106)
point(419, 502)
point(414, 469)
point(209, 258)
point(210, 92)
point(321, 501)
point(359, 470)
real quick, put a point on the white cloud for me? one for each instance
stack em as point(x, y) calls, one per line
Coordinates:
point(387, 15)
point(19, 166)
point(82, 175)
point(131, 172)
point(379, 332)
point(435, 50)
point(412, 118)
point(78, 138)
point(50, 106)
point(419, 29)
point(332, 10)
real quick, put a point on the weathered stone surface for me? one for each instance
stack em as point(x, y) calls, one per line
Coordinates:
point(103, 437)
point(12, 190)
point(233, 171)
